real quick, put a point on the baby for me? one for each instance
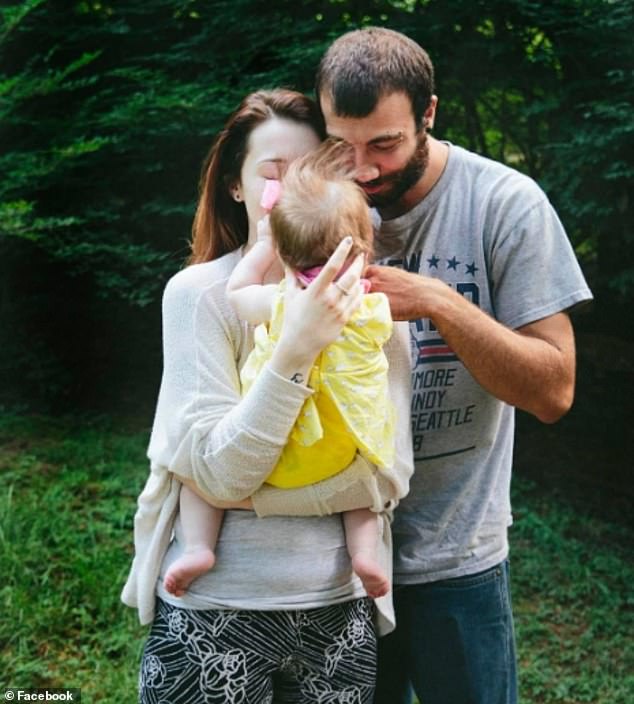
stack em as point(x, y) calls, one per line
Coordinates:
point(349, 412)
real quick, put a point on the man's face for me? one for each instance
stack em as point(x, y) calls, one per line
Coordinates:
point(390, 154)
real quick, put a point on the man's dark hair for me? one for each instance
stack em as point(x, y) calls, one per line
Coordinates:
point(364, 65)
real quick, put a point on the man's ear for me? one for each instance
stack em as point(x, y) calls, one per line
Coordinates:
point(430, 114)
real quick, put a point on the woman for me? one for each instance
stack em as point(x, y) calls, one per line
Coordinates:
point(281, 614)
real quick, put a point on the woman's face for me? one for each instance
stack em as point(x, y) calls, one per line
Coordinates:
point(272, 146)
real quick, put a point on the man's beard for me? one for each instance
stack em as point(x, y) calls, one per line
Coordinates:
point(401, 181)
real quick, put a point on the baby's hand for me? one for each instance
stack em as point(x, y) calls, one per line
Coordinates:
point(264, 230)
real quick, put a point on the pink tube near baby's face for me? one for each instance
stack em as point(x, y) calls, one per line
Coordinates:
point(270, 194)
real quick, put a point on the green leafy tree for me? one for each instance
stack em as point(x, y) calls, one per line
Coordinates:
point(104, 129)
point(107, 110)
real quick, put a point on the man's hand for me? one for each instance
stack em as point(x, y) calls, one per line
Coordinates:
point(411, 296)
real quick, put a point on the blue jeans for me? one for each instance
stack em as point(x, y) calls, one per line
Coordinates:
point(454, 643)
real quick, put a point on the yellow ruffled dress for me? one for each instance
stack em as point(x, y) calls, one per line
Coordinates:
point(350, 410)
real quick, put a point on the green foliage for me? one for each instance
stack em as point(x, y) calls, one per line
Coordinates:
point(107, 123)
point(17, 220)
point(547, 88)
point(65, 527)
point(104, 127)
point(573, 602)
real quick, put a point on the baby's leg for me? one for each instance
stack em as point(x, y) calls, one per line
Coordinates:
point(201, 525)
point(362, 528)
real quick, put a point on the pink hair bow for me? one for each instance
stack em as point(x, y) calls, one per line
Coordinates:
point(270, 194)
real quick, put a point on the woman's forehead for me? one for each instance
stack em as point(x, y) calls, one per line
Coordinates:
point(280, 140)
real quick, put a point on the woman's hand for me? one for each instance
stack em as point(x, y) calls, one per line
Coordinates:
point(315, 316)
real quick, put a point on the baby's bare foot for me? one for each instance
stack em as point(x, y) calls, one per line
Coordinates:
point(185, 570)
point(373, 578)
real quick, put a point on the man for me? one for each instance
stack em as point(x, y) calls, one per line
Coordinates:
point(479, 263)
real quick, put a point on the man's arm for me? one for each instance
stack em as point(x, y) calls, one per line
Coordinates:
point(532, 367)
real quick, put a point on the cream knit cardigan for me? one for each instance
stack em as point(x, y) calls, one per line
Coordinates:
point(228, 444)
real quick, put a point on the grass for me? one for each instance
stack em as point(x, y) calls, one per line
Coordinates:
point(69, 491)
point(65, 525)
point(573, 602)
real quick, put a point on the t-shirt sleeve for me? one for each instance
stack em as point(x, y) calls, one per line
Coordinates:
point(204, 429)
point(533, 269)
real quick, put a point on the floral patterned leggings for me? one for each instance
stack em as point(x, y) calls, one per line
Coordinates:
point(316, 656)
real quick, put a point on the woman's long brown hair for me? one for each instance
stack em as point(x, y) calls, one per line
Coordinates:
point(220, 224)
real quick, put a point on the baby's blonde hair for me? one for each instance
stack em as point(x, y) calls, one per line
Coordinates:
point(319, 206)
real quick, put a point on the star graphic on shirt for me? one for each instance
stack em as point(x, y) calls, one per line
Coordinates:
point(433, 262)
point(472, 268)
point(452, 263)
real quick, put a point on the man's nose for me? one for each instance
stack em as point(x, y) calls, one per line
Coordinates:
point(364, 170)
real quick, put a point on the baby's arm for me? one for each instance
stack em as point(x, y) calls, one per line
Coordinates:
point(249, 296)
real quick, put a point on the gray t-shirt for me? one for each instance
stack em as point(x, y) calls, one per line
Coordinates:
point(490, 233)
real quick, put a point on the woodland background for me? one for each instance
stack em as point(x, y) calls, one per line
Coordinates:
point(107, 110)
